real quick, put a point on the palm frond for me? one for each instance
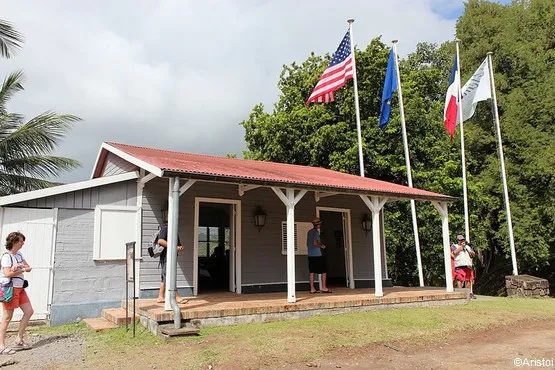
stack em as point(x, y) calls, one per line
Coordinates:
point(38, 166)
point(13, 184)
point(25, 147)
point(10, 39)
point(9, 123)
point(12, 84)
point(38, 136)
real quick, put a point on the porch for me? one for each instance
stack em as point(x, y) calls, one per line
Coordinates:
point(226, 308)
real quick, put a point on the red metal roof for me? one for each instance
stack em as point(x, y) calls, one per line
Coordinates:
point(267, 173)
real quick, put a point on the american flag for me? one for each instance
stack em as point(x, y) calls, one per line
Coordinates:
point(339, 70)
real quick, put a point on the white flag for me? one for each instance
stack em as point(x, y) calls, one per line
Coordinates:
point(476, 89)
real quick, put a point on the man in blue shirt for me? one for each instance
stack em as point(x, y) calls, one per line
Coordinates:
point(316, 261)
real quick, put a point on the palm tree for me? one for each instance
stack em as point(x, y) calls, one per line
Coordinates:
point(25, 146)
point(10, 39)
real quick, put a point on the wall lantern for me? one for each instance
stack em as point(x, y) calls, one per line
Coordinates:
point(366, 223)
point(259, 218)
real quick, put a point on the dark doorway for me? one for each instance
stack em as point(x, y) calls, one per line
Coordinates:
point(332, 235)
point(214, 243)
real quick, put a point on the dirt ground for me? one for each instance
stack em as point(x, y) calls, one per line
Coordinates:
point(493, 349)
point(501, 348)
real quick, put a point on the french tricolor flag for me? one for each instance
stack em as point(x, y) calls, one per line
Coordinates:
point(451, 101)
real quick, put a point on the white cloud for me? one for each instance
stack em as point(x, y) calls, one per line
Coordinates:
point(183, 74)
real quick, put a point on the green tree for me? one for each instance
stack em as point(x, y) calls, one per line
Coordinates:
point(25, 163)
point(522, 38)
point(324, 135)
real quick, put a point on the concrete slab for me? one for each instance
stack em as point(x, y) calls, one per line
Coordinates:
point(170, 330)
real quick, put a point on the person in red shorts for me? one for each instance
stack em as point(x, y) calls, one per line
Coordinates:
point(464, 272)
point(13, 265)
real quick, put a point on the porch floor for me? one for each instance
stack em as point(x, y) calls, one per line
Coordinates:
point(223, 306)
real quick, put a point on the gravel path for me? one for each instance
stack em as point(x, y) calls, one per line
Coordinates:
point(49, 351)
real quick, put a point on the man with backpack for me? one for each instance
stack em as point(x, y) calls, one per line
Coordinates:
point(162, 240)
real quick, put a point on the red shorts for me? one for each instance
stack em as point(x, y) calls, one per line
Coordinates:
point(464, 274)
point(19, 297)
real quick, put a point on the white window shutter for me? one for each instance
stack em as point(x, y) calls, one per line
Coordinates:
point(301, 229)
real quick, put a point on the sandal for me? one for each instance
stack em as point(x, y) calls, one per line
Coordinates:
point(7, 351)
point(326, 291)
point(21, 346)
point(314, 292)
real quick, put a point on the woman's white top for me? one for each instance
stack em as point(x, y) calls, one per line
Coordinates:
point(8, 260)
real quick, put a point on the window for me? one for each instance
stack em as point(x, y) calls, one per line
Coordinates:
point(301, 229)
point(113, 227)
point(208, 239)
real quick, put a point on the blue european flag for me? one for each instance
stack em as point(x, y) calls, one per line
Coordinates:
point(389, 86)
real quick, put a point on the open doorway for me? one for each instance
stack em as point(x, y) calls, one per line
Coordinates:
point(216, 245)
point(214, 242)
point(335, 234)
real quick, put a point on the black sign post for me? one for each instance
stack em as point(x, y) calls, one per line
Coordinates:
point(129, 278)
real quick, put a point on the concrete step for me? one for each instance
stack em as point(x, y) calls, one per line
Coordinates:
point(99, 324)
point(117, 316)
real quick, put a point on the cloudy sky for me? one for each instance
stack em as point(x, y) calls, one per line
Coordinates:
point(182, 74)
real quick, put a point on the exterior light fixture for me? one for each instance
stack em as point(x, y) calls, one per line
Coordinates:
point(259, 218)
point(366, 223)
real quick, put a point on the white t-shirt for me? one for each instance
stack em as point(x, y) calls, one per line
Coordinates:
point(7, 261)
point(463, 259)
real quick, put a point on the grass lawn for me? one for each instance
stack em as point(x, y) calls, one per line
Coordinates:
point(280, 343)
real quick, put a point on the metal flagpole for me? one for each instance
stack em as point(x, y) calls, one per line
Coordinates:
point(407, 161)
point(360, 159)
point(502, 160)
point(459, 108)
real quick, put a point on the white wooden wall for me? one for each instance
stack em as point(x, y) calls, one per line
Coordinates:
point(38, 226)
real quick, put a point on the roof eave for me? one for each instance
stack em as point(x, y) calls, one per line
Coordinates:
point(345, 190)
point(66, 188)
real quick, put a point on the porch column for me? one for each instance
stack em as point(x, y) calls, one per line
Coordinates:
point(375, 204)
point(442, 209)
point(171, 265)
point(290, 200)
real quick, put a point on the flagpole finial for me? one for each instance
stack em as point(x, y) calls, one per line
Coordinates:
point(350, 20)
point(489, 53)
point(394, 41)
point(457, 40)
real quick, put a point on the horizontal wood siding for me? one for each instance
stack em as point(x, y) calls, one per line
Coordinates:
point(155, 198)
point(121, 193)
point(115, 165)
point(262, 261)
point(363, 252)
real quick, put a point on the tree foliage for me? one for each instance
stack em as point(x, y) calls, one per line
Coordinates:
point(522, 38)
point(25, 163)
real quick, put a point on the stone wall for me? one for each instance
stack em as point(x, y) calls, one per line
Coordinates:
point(526, 286)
